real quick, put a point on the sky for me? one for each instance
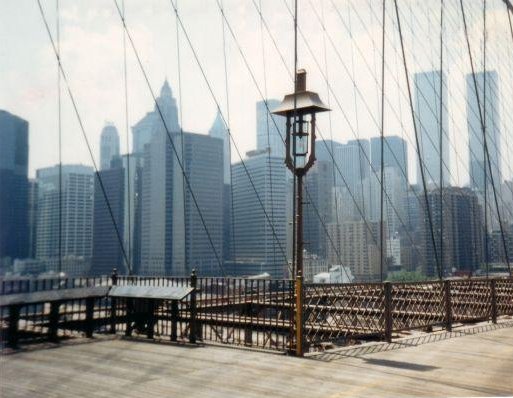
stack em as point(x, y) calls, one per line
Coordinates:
point(346, 57)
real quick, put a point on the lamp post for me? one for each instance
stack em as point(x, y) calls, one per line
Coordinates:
point(299, 109)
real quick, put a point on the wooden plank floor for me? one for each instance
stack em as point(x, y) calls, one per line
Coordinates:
point(472, 365)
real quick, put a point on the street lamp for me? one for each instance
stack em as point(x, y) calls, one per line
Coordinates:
point(299, 109)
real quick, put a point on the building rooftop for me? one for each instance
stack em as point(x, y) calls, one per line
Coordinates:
point(476, 361)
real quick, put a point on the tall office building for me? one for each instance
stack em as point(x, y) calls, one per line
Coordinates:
point(489, 101)
point(77, 213)
point(173, 238)
point(428, 119)
point(270, 129)
point(318, 208)
point(258, 248)
point(109, 145)
point(357, 244)
point(13, 188)
point(108, 223)
point(32, 217)
point(395, 151)
point(220, 130)
point(462, 232)
point(351, 178)
point(152, 122)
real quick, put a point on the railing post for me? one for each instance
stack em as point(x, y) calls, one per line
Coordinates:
point(14, 317)
point(448, 305)
point(192, 320)
point(113, 302)
point(388, 311)
point(299, 315)
point(54, 320)
point(89, 326)
point(174, 320)
point(150, 319)
point(493, 289)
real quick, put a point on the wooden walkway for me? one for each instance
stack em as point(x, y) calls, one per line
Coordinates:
point(473, 365)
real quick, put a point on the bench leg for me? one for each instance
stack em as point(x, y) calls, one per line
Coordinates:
point(89, 317)
point(14, 317)
point(54, 320)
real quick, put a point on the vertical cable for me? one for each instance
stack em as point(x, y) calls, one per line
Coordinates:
point(267, 123)
point(419, 152)
point(227, 137)
point(334, 190)
point(441, 136)
point(484, 149)
point(59, 121)
point(382, 134)
point(184, 185)
point(294, 224)
point(487, 158)
point(127, 130)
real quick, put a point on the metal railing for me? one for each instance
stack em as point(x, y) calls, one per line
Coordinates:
point(283, 315)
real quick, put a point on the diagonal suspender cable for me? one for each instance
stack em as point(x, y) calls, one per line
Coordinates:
point(267, 121)
point(233, 245)
point(428, 210)
point(184, 185)
point(382, 149)
point(484, 151)
point(224, 121)
point(484, 137)
point(59, 121)
point(82, 129)
point(440, 118)
point(172, 143)
point(127, 130)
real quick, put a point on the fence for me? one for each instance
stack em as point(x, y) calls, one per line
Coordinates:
point(257, 313)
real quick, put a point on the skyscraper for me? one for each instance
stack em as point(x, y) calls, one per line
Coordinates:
point(462, 233)
point(173, 238)
point(270, 134)
point(77, 213)
point(318, 208)
point(395, 152)
point(13, 187)
point(109, 145)
point(489, 101)
point(107, 251)
point(428, 119)
point(151, 123)
point(220, 130)
point(259, 248)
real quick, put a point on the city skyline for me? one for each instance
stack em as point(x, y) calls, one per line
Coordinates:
point(37, 94)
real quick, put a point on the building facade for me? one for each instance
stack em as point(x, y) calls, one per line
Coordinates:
point(14, 188)
point(428, 119)
point(109, 145)
point(261, 237)
point(77, 214)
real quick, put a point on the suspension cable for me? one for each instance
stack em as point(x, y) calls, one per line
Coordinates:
point(184, 185)
point(417, 141)
point(382, 139)
point(82, 129)
point(59, 122)
point(484, 137)
point(207, 82)
point(127, 131)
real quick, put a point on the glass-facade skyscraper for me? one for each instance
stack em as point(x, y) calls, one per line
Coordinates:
point(489, 101)
point(428, 119)
point(14, 239)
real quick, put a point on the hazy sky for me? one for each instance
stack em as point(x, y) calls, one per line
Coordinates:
point(92, 56)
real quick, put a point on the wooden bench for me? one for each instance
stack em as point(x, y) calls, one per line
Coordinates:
point(55, 297)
